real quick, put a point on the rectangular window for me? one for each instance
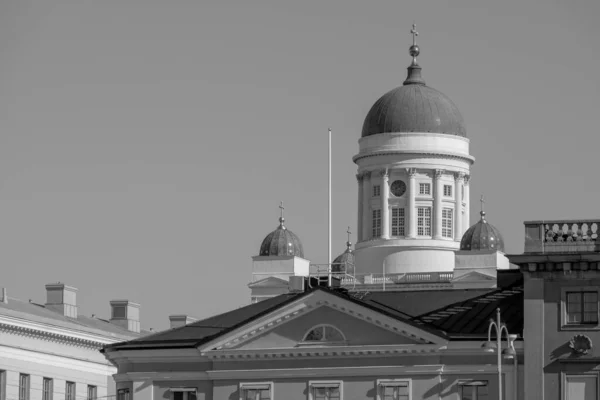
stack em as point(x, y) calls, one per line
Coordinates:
point(2, 385)
point(394, 390)
point(581, 387)
point(447, 222)
point(183, 393)
point(23, 387)
point(92, 392)
point(473, 390)
point(424, 188)
point(448, 190)
point(47, 389)
point(123, 394)
point(325, 391)
point(70, 391)
point(376, 223)
point(424, 221)
point(582, 307)
point(397, 221)
point(376, 190)
point(255, 391)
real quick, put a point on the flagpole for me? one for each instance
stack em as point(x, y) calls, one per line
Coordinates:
point(329, 215)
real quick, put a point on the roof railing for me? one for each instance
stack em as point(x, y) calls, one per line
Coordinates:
point(562, 236)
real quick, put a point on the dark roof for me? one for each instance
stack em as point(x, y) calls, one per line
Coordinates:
point(414, 107)
point(199, 332)
point(482, 236)
point(281, 242)
point(471, 317)
point(38, 313)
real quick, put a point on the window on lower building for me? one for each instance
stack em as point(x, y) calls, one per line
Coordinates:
point(70, 392)
point(393, 390)
point(424, 221)
point(397, 221)
point(256, 391)
point(47, 389)
point(92, 393)
point(424, 188)
point(447, 222)
point(324, 333)
point(581, 387)
point(473, 390)
point(448, 190)
point(376, 190)
point(582, 307)
point(183, 393)
point(2, 385)
point(325, 391)
point(23, 387)
point(376, 223)
point(123, 394)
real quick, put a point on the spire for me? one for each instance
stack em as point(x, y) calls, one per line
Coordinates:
point(281, 219)
point(482, 212)
point(348, 243)
point(414, 70)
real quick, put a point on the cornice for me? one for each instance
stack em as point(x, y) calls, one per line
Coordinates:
point(50, 336)
point(468, 158)
point(161, 376)
point(155, 355)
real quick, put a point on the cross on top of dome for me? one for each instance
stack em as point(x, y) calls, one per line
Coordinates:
point(414, 49)
point(348, 243)
point(482, 212)
point(281, 219)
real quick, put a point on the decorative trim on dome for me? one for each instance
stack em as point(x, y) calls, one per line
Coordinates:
point(469, 159)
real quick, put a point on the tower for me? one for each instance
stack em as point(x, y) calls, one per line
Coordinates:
point(413, 179)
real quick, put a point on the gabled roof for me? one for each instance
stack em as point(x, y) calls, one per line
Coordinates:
point(34, 312)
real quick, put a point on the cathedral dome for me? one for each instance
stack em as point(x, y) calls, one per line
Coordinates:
point(482, 236)
point(281, 242)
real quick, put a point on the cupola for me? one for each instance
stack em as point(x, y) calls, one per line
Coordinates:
point(482, 236)
point(281, 242)
point(344, 263)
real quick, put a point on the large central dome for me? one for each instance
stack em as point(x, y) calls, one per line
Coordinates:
point(414, 107)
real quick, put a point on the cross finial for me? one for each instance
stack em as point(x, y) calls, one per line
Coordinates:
point(482, 200)
point(414, 33)
point(281, 207)
point(349, 243)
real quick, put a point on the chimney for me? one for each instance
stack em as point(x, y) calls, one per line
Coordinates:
point(125, 314)
point(4, 296)
point(62, 299)
point(181, 320)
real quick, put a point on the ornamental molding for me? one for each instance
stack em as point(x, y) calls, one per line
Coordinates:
point(161, 376)
point(581, 344)
point(467, 179)
point(150, 355)
point(438, 173)
point(384, 173)
point(458, 176)
point(327, 372)
point(411, 172)
point(366, 175)
point(359, 177)
point(469, 159)
point(49, 336)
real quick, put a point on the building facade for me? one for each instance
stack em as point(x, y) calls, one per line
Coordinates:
point(50, 351)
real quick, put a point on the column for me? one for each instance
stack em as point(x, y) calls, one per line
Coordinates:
point(366, 225)
point(437, 203)
point(385, 210)
point(458, 186)
point(411, 209)
point(359, 229)
point(467, 216)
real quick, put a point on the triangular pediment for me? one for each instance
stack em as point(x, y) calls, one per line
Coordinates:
point(359, 323)
point(474, 276)
point(271, 281)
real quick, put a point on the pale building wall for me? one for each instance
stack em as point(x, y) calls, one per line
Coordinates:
point(421, 256)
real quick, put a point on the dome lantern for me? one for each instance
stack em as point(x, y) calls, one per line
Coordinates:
point(282, 241)
point(482, 235)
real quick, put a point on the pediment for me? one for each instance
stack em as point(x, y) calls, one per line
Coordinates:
point(270, 282)
point(360, 324)
point(474, 276)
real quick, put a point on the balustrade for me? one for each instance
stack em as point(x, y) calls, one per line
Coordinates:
point(571, 236)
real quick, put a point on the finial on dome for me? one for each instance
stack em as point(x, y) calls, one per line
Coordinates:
point(348, 243)
point(281, 219)
point(482, 212)
point(414, 70)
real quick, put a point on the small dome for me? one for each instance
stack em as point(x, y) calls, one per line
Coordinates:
point(482, 236)
point(344, 262)
point(281, 242)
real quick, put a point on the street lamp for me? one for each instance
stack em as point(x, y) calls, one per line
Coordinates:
point(508, 353)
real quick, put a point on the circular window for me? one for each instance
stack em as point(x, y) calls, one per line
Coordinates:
point(398, 188)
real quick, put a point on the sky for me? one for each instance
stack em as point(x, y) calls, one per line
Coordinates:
point(145, 145)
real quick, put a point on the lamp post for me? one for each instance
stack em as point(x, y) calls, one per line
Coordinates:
point(508, 353)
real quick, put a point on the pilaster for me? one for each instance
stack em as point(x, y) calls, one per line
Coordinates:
point(385, 210)
point(467, 215)
point(437, 203)
point(366, 218)
point(412, 217)
point(359, 225)
point(458, 185)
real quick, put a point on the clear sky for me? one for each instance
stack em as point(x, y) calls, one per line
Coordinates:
point(145, 145)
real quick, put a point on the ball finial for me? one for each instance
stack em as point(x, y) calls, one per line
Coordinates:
point(414, 50)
